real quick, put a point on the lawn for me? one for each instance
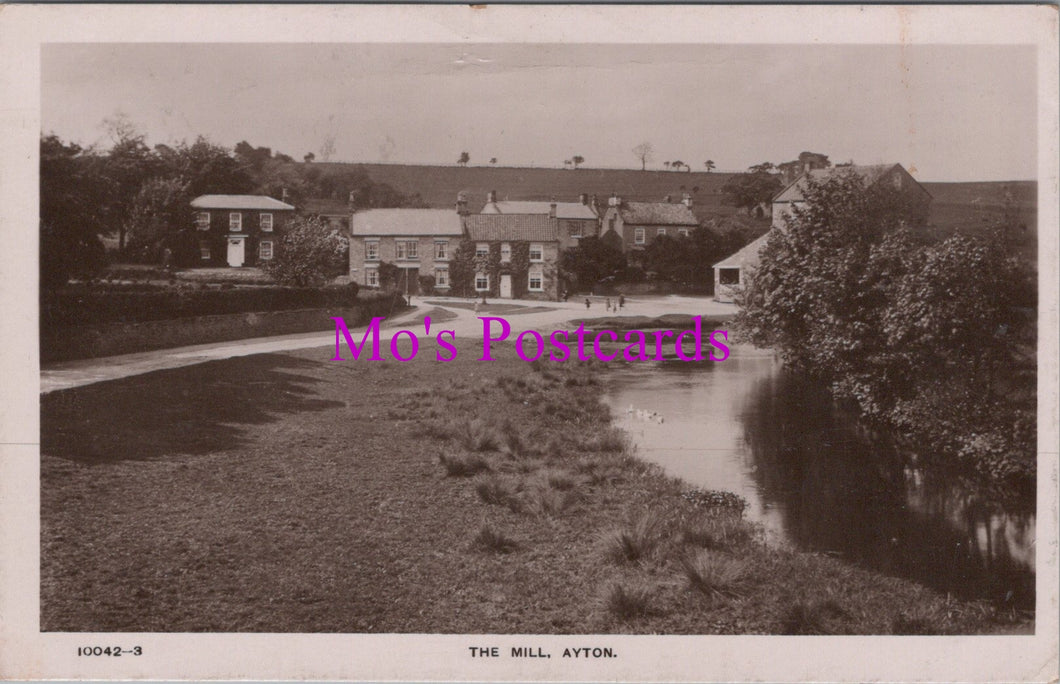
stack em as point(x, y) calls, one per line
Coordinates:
point(289, 493)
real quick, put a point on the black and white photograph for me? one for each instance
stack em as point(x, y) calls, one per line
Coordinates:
point(530, 343)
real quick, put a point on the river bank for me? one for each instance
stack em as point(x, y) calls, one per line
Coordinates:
point(288, 493)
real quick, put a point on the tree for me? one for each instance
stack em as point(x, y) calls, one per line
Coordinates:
point(493, 161)
point(308, 254)
point(666, 164)
point(590, 262)
point(924, 339)
point(73, 194)
point(764, 167)
point(328, 148)
point(748, 190)
point(577, 160)
point(678, 164)
point(567, 163)
point(309, 158)
point(645, 152)
point(710, 165)
point(464, 159)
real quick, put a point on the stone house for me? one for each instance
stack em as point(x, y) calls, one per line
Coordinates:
point(637, 224)
point(238, 230)
point(515, 256)
point(419, 242)
point(575, 220)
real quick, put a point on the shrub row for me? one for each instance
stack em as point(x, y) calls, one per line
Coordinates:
point(87, 306)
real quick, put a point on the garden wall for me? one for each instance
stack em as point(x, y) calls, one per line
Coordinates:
point(109, 339)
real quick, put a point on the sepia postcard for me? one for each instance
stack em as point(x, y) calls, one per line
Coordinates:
point(529, 342)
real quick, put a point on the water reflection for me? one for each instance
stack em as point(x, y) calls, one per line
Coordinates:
point(816, 481)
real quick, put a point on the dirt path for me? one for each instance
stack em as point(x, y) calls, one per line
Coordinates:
point(465, 325)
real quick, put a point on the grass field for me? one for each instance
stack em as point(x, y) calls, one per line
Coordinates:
point(289, 493)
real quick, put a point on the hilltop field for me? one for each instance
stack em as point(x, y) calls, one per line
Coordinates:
point(956, 206)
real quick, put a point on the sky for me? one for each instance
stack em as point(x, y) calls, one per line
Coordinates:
point(946, 112)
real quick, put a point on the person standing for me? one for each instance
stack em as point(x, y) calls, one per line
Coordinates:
point(587, 303)
point(621, 301)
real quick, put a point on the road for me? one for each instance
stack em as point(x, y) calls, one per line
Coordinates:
point(540, 316)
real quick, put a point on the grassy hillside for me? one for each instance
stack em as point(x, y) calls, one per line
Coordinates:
point(439, 185)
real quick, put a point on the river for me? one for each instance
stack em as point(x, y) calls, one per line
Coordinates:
point(817, 482)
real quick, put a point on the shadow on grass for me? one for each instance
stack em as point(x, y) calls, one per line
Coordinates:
point(192, 410)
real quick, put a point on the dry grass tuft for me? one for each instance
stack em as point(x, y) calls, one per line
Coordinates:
point(813, 617)
point(475, 435)
point(724, 531)
point(629, 601)
point(498, 492)
point(714, 575)
point(494, 541)
point(465, 465)
point(634, 543)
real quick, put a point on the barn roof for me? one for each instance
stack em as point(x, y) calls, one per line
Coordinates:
point(379, 222)
point(564, 210)
point(749, 256)
point(657, 214)
point(532, 227)
point(249, 202)
point(868, 174)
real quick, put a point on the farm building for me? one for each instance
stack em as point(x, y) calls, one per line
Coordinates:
point(639, 223)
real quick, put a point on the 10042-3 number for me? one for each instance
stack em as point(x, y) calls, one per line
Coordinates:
point(112, 651)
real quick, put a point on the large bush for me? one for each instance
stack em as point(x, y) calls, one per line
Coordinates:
point(309, 253)
point(928, 339)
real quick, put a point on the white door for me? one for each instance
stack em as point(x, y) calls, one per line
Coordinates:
point(506, 286)
point(235, 252)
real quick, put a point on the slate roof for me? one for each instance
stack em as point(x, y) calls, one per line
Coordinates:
point(532, 227)
point(249, 202)
point(326, 207)
point(380, 222)
point(868, 175)
point(657, 214)
point(564, 210)
point(749, 256)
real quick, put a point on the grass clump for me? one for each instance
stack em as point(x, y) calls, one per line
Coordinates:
point(494, 541)
point(550, 502)
point(465, 465)
point(723, 531)
point(611, 441)
point(475, 435)
point(629, 601)
point(560, 479)
point(514, 444)
point(813, 617)
point(498, 492)
point(635, 543)
point(713, 575)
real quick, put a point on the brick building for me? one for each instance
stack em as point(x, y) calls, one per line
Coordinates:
point(238, 230)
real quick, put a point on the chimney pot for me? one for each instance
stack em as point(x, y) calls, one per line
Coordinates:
point(583, 198)
point(491, 196)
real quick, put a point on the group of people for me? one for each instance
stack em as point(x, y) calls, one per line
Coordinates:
point(618, 304)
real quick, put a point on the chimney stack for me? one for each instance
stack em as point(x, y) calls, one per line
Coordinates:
point(613, 200)
point(283, 195)
point(461, 204)
point(668, 199)
point(583, 198)
point(687, 200)
point(351, 201)
point(552, 207)
point(491, 197)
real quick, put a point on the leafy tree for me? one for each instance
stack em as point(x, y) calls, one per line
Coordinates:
point(764, 167)
point(464, 159)
point(577, 160)
point(309, 253)
point(590, 262)
point(751, 189)
point(493, 161)
point(309, 158)
point(923, 338)
point(666, 164)
point(710, 165)
point(73, 194)
point(644, 152)
point(159, 208)
point(676, 165)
